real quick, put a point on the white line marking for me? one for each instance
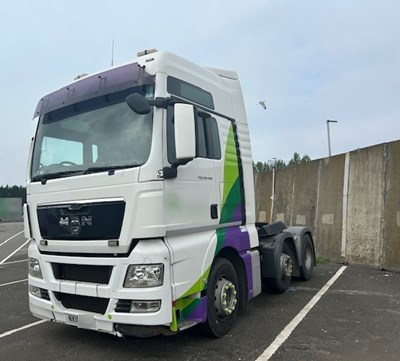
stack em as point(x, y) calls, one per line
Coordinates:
point(12, 254)
point(355, 292)
point(285, 333)
point(13, 282)
point(12, 262)
point(9, 239)
point(8, 333)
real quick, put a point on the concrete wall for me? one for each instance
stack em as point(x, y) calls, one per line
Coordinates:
point(10, 209)
point(329, 210)
point(352, 202)
point(391, 208)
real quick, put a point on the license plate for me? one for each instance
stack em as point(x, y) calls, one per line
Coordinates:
point(72, 318)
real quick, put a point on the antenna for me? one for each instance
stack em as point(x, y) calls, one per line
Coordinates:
point(112, 53)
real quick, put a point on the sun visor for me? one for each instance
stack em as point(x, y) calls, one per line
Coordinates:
point(109, 81)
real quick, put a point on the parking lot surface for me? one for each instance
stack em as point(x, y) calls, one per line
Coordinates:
point(354, 317)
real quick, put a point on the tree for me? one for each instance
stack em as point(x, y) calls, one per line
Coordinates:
point(13, 192)
point(260, 167)
point(279, 163)
point(297, 159)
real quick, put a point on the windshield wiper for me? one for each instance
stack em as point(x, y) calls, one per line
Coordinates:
point(44, 177)
point(108, 168)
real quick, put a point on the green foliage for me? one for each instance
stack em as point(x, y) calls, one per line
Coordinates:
point(297, 159)
point(13, 192)
point(279, 163)
point(323, 260)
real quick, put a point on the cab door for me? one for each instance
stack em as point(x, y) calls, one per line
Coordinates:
point(191, 198)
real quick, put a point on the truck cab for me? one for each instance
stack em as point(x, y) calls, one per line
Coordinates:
point(140, 201)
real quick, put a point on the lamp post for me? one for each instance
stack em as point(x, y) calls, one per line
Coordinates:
point(329, 135)
point(273, 189)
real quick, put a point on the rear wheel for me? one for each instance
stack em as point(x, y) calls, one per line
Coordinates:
point(307, 259)
point(281, 283)
point(222, 298)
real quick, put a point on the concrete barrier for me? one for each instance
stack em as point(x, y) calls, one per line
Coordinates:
point(351, 200)
point(391, 208)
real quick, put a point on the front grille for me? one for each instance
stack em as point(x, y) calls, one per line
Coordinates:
point(83, 303)
point(82, 273)
point(81, 221)
point(123, 306)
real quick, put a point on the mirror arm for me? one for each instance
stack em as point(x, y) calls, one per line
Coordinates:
point(172, 171)
point(160, 102)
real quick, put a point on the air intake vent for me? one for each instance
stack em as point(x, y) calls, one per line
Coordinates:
point(82, 273)
point(83, 303)
point(123, 306)
point(44, 294)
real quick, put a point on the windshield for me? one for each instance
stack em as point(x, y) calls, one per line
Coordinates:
point(95, 135)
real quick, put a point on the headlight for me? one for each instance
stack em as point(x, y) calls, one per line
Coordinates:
point(34, 268)
point(144, 275)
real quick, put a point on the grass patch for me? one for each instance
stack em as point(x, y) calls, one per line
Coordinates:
point(323, 260)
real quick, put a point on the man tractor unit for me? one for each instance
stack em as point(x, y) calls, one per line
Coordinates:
point(140, 203)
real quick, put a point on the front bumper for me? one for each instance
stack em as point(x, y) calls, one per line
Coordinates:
point(101, 306)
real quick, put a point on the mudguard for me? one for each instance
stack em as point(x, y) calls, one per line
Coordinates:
point(272, 237)
point(270, 250)
point(298, 233)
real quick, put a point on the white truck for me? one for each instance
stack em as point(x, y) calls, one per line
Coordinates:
point(140, 203)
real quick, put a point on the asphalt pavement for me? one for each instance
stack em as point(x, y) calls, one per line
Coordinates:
point(355, 316)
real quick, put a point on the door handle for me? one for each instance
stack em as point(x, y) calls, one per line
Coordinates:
point(214, 211)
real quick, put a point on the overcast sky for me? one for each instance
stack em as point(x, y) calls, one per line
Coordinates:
point(310, 61)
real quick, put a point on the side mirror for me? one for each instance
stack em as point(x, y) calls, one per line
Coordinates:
point(138, 103)
point(185, 133)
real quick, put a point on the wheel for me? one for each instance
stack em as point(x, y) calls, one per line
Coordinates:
point(222, 298)
point(307, 259)
point(281, 283)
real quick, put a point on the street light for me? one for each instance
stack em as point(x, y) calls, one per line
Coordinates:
point(273, 189)
point(329, 136)
point(272, 162)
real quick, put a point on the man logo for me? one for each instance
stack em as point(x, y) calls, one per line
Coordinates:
point(86, 221)
point(75, 223)
point(64, 221)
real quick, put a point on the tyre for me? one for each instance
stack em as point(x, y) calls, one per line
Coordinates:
point(222, 298)
point(281, 283)
point(307, 259)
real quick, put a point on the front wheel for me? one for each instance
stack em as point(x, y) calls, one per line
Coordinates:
point(222, 298)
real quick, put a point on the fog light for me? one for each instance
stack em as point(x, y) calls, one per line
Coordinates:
point(145, 306)
point(35, 291)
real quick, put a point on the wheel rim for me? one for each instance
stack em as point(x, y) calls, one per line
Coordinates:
point(225, 297)
point(286, 265)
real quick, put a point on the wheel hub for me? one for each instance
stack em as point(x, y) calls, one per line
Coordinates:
point(225, 297)
point(286, 265)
